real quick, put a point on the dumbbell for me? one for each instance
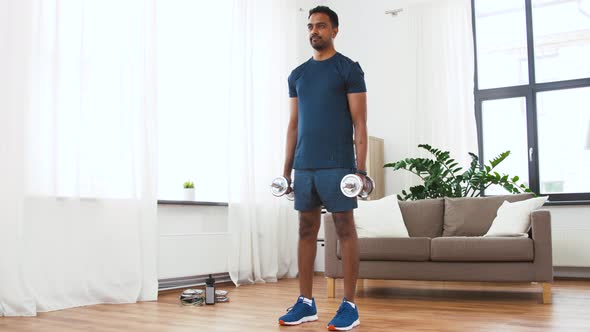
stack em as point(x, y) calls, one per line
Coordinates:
point(279, 187)
point(352, 186)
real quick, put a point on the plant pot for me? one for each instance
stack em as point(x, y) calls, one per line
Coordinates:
point(189, 194)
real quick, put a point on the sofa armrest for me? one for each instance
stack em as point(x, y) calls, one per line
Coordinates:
point(541, 231)
point(333, 266)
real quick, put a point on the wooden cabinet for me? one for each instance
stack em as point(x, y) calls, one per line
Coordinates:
point(375, 162)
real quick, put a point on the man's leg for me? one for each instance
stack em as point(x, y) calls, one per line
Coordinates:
point(308, 204)
point(309, 225)
point(304, 310)
point(346, 231)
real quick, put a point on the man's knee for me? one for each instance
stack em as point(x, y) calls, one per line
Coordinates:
point(307, 231)
point(309, 224)
point(345, 233)
point(344, 224)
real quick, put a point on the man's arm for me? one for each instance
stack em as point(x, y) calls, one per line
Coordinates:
point(291, 138)
point(358, 110)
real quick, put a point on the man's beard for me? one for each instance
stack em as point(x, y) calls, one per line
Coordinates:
point(318, 45)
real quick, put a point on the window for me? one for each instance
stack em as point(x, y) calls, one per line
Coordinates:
point(502, 122)
point(193, 75)
point(532, 92)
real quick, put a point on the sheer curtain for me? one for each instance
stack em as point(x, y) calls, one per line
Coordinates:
point(263, 229)
point(444, 105)
point(77, 138)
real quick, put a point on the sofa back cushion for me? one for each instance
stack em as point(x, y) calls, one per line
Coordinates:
point(473, 216)
point(423, 218)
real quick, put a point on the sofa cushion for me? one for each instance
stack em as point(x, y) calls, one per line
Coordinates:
point(379, 218)
point(392, 249)
point(481, 249)
point(473, 216)
point(515, 218)
point(423, 218)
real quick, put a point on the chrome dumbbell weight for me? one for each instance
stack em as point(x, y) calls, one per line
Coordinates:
point(192, 297)
point(352, 186)
point(280, 186)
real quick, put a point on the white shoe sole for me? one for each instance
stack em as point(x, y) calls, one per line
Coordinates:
point(302, 320)
point(346, 328)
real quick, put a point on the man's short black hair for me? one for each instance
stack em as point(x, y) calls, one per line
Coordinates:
point(325, 10)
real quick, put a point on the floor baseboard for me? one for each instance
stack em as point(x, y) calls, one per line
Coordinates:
point(574, 272)
point(191, 281)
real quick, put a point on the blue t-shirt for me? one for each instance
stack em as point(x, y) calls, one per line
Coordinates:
point(325, 130)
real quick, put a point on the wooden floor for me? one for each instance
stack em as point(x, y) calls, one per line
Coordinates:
point(383, 305)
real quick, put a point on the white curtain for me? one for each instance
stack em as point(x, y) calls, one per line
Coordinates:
point(263, 228)
point(444, 113)
point(77, 154)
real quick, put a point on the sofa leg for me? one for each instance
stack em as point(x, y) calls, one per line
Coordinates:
point(360, 285)
point(546, 293)
point(331, 283)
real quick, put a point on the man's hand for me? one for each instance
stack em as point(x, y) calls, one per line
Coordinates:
point(364, 179)
point(288, 177)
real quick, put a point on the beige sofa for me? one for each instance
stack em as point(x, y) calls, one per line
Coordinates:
point(446, 244)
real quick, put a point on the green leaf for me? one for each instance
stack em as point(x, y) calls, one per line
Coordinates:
point(443, 177)
point(496, 161)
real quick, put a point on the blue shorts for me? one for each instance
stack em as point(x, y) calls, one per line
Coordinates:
point(316, 187)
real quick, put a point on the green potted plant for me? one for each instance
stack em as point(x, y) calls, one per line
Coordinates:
point(443, 178)
point(189, 191)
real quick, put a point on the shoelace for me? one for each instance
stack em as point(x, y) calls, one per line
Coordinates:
point(293, 306)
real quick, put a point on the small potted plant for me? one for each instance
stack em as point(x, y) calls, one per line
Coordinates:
point(189, 191)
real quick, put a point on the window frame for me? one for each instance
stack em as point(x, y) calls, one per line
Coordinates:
point(529, 92)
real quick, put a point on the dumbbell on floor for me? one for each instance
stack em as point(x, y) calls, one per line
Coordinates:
point(352, 186)
point(279, 187)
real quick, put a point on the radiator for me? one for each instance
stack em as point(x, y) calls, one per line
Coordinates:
point(570, 227)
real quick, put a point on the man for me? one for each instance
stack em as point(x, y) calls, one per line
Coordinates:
point(327, 101)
